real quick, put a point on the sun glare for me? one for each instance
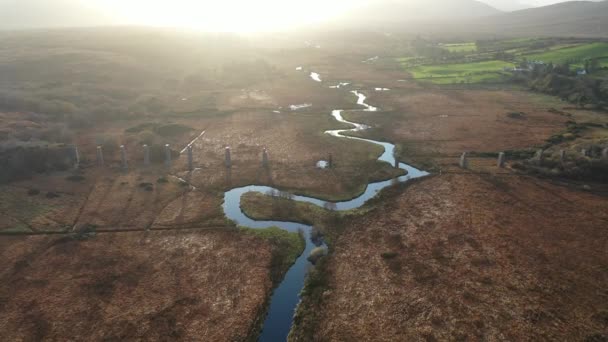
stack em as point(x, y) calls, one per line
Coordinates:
point(226, 15)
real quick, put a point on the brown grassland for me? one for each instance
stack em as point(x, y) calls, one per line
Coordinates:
point(483, 254)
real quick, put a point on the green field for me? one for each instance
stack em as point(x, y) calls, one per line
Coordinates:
point(571, 54)
point(460, 47)
point(489, 71)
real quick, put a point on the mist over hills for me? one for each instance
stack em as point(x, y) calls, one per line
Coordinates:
point(33, 14)
point(575, 18)
point(399, 11)
point(507, 5)
point(468, 17)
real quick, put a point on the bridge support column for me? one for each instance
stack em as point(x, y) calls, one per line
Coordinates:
point(146, 155)
point(501, 160)
point(464, 162)
point(100, 160)
point(123, 157)
point(190, 158)
point(265, 157)
point(168, 160)
point(76, 157)
point(228, 158)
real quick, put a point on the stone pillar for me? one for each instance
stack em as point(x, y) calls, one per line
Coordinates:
point(123, 157)
point(190, 158)
point(605, 153)
point(562, 156)
point(146, 155)
point(168, 155)
point(501, 160)
point(100, 160)
point(76, 157)
point(265, 157)
point(464, 163)
point(228, 158)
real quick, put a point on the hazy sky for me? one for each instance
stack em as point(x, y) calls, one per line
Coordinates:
point(214, 15)
point(231, 15)
point(239, 15)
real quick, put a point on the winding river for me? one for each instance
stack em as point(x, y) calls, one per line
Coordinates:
point(287, 296)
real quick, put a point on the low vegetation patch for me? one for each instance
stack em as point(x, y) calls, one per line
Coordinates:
point(488, 71)
point(287, 247)
point(389, 255)
point(33, 192)
point(75, 178)
point(328, 224)
point(571, 54)
point(23, 162)
point(516, 115)
point(307, 317)
point(460, 47)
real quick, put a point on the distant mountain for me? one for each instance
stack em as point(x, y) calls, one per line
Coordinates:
point(575, 18)
point(18, 14)
point(473, 19)
point(390, 12)
point(507, 5)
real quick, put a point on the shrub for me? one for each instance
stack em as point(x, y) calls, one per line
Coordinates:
point(316, 236)
point(33, 192)
point(51, 195)
point(75, 178)
point(142, 127)
point(389, 255)
point(147, 137)
point(516, 115)
point(171, 130)
point(316, 254)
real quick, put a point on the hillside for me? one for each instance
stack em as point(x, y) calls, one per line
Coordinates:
point(507, 5)
point(393, 13)
point(574, 18)
point(476, 19)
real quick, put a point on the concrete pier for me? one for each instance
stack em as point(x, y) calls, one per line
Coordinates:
point(146, 155)
point(189, 150)
point(228, 159)
point(168, 155)
point(464, 162)
point(265, 157)
point(100, 160)
point(501, 160)
point(76, 157)
point(123, 157)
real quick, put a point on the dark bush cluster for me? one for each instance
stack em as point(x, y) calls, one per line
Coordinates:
point(23, 162)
